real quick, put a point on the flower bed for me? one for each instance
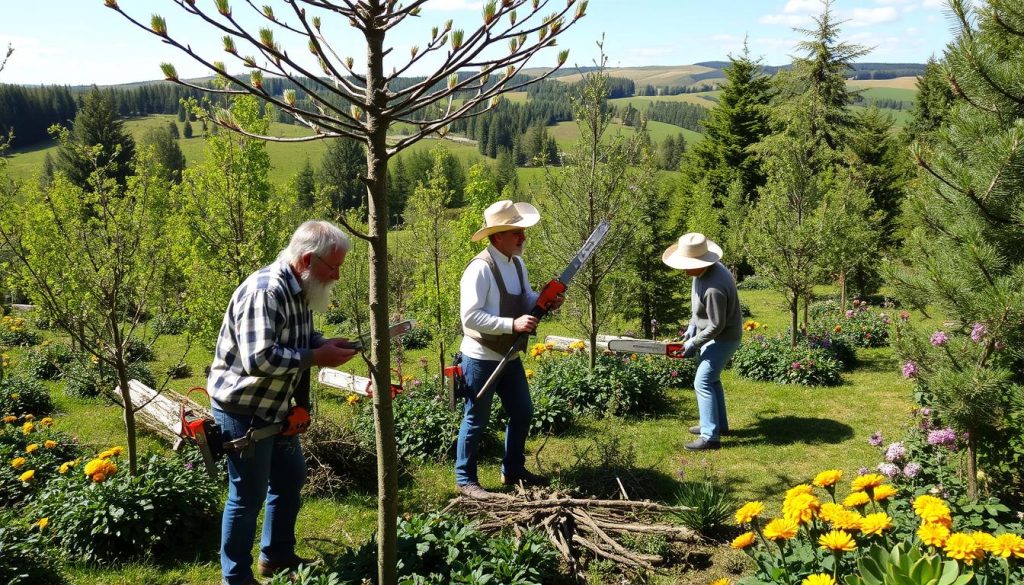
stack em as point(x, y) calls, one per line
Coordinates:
point(772, 359)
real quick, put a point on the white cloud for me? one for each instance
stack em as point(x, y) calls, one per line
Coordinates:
point(872, 16)
point(802, 7)
point(933, 4)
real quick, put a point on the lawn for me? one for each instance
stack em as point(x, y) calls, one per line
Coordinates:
point(567, 133)
point(782, 435)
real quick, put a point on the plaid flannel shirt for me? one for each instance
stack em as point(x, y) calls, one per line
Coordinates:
point(265, 345)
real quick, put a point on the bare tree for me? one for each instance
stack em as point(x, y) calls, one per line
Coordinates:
point(340, 101)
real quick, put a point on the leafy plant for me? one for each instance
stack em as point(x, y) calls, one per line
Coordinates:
point(910, 567)
point(617, 385)
point(710, 507)
point(169, 324)
point(23, 560)
point(47, 361)
point(418, 338)
point(424, 427)
point(772, 359)
point(20, 396)
point(16, 331)
point(84, 378)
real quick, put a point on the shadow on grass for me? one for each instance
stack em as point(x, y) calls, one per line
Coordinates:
point(788, 430)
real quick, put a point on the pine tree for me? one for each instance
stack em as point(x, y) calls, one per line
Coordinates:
point(932, 103)
point(172, 129)
point(340, 168)
point(305, 186)
point(97, 125)
point(186, 130)
point(965, 255)
point(166, 153)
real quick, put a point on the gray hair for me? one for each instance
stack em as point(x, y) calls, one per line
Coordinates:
point(314, 237)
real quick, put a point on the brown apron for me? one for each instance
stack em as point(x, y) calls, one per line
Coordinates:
point(509, 305)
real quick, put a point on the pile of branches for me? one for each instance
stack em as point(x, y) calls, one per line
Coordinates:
point(578, 526)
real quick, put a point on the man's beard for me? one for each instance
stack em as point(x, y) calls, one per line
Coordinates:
point(317, 292)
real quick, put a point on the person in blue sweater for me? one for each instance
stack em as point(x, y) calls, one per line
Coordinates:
point(713, 333)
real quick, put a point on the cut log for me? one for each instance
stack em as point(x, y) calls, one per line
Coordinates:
point(344, 381)
point(160, 412)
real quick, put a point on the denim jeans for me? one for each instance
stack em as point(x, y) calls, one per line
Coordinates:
point(514, 392)
point(708, 386)
point(275, 473)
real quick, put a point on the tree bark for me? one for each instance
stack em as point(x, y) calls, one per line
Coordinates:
point(972, 466)
point(794, 310)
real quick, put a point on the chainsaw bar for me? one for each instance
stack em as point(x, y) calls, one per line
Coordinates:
point(672, 350)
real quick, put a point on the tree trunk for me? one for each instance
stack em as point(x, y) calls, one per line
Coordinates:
point(592, 292)
point(380, 354)
point(794, 311)
point(129, 414)
point(972, 466)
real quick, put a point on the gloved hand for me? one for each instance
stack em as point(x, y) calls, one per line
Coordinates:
point(690, 349)
point(691, 330)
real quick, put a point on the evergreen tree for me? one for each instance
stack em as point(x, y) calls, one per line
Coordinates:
point(46, 173)
point(181, 112)
point(186, 130)
point(305, 186)
point(932, 103)
point(340, 169)
point(965, 255)
point(172, 129)
point(880, 161)
point(507, 176)
point(97, 125)
point(166, 153)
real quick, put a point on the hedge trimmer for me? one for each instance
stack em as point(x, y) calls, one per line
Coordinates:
point(548, 294)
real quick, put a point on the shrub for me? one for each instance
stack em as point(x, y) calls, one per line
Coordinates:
point(30, 444)
point(179, 371)
point(169, 324)
point(440, 548)
point(20, 395)
point(22, 557)
point(772, 359)
point(753, 282)
point(123, 516)
point(417, 338)
point(47, 362)
point(425, 429)
point(138, 350)
point(711, 507)
point(15, 331)
point(859, 327)
point(618, 385)
point(84, 378)
point(334, 315)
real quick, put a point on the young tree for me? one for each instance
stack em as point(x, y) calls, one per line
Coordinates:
point(304, 186)
point(92, 257)
point(340, 167)
point(601, 177)
point(372, 104)
point(966, 250)
point(166, 153)
point(172, 128)
point(98, 125)
point(186, 130)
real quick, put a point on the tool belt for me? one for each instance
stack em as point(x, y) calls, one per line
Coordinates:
point(207, 435)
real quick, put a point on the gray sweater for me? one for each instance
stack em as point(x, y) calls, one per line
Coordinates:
point(716, 306)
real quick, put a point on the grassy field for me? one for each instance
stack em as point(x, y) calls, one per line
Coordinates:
point(889, 93)
point(567, 133)
point(909, 82)
point(782, 435)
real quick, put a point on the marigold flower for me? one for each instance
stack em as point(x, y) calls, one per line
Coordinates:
point(847, 520)
point(64, 467)
point(9, 419)
point(867, 481)
point(41, 523)
point(99, 477)
point(750, 325)
point(818, 579)
point(921, 502)
point(537, 349)
point(962, 547)
point(32, 448)
point(117, 450)
point(874, 524)
point(884, 492)
point(748, 512)
point(856, 500)
point(18, 462)
point(50, 444)
point(828, 511)
point(933, 534)
point(27, 428)
point(837, 541)
point(935, 512)
point(577, 345)
point(352, 398)
point(799, 490)
point(27, 476)
point(984, 540)
point(743, 541)
point(781, 529)
point(1008, 545)
point(722, 581)
point(828, 478)
point(801, 508)
point(46, 422)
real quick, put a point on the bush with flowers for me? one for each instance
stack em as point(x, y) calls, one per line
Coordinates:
point(15, 331)
point(47, 361)
point(97, 511)
point(858, 327)
point(773, 359)
point(21, 559)
point(20, 395)
point(870, 536)
point(31, 453)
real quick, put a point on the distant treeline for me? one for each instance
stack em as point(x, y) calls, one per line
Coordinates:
point(680, 114)
point(884, 103)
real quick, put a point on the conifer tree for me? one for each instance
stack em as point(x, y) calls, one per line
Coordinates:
point(166, 152)
point(97, 124)
point(965, 254)
point(340, 167)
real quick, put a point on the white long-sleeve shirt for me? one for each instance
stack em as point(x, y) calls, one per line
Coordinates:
point(479, 302)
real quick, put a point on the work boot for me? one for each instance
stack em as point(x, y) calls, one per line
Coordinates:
point(702, 444)
point(527, 478)
point(270, 568)
point(474, 491)
point(251, 581)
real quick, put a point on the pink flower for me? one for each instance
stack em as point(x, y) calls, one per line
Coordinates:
point(939, 338)
point(978, 332)
point(910, 370)
point(904, 316)
point(849, 313)
point(875, 440)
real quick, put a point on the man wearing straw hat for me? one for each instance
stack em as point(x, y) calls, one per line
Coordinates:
point(715, 330)
point(495, 302)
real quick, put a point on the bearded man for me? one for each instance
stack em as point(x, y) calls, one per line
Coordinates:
point(264, 352)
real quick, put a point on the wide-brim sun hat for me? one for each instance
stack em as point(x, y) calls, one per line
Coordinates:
point(504, 216)
point(693, 250)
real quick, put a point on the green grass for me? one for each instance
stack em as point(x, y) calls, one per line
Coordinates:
point(567, 133)
point(889, 93)
point(782, 435)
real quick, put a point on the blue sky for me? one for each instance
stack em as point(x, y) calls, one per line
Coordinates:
point(81, 42)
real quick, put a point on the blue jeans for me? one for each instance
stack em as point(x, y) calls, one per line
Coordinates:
point(514, 392)
point(708, 386)
point(275, 473)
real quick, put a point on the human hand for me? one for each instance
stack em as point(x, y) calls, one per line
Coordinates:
point(524, 324)
point(690, 349)
point(691, 331)
point(557, 301)
point(334, 352)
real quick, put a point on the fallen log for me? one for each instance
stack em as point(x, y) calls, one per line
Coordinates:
point(160, 411)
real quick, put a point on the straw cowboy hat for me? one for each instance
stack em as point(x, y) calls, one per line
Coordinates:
point(693, 250)
point(504, 216)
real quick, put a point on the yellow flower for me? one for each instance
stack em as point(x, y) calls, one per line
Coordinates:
point(837, 541)
point(750, 325)
point(27, 476)
point(828, 511)
point(18, 462)
point(577, 345)
point(962, 547)
point(922, 502)
point(819, 579)
point(42, 523)
point(828, 478)
point(352, 398)
point(93, 466)
point(856, 500)
point(743, 541)
point(847, 520)
point(64, 467)
point(781, 529)
point(884, 492)
point(798, 490)
point(1008, 545)
point(10, 418)
point(529, 374)
point(984, 540)
point(94, 359)
point(866, 482)
point(30, 417)
point(801, 508)
point(933, 534)
point(46, 422)
point(537, 349)
point(32, 448)
point(748, 512)
point(50, 444)
point(722, 581)
point(877, 523)
point(936, 513)
point(27, 428)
